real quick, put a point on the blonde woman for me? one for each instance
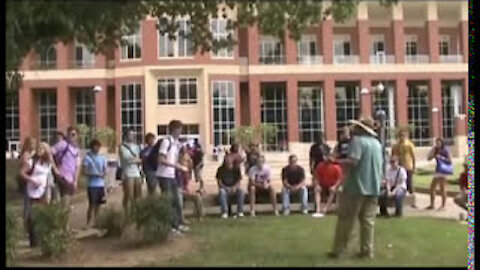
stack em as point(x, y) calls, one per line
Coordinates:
point(35, 173)
point(28, 150)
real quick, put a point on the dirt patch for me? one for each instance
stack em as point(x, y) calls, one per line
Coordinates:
point(105, 252)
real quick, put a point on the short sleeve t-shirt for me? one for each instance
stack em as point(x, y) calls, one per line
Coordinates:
point(229, 177)
point(40, 175)
point(294, 175)
point(259, 175)
point(95, 164)
point(328, 174)
point(169, 148)
point(392, 178)
point(405, 153)
point(130, 169)
point(68, 155)
point(365, 177)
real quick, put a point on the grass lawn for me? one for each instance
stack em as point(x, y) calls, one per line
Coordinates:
point(303, 241)
point(423, 177)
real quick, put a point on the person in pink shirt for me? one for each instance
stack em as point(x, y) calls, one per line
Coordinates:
point(67, 158)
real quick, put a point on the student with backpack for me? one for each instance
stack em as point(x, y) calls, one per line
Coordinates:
point(35, 174)
point(149, 156)
point(95, 169)
point(197, 158)
point(167, 165)
point(129, 152)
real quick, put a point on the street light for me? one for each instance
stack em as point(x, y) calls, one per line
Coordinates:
point(436, 110)
point(96, 89)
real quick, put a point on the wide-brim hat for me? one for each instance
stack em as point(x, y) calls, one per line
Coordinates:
point(366, 124)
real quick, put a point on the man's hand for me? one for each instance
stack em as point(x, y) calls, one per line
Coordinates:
point(265, 184)
point(182, 168)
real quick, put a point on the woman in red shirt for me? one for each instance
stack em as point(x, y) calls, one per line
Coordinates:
point(329, 177)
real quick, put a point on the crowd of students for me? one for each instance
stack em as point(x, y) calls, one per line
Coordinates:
point(52, 173)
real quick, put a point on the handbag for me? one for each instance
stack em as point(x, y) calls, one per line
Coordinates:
point(444, 167)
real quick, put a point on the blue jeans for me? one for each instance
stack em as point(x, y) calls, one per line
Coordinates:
point(286, 198)
point(399, 196)
point(169, 188)
point(223, 197)
point(152, 181)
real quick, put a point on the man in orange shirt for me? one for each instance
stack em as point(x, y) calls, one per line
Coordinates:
point(329, 177)
point(405, 150)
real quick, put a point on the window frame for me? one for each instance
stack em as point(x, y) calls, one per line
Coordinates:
point(176, 42)
point(275, 59)
point(224, 134)
point(217, 35)
point(132, 102)
point(316, 107)
point(136, 40)
point(177, 99)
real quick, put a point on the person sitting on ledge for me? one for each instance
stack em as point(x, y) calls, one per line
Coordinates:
point(394, 186)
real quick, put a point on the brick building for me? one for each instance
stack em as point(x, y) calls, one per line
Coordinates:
point(417, 50)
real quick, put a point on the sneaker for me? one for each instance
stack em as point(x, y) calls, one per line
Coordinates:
point(429, 207)
point(240, 215)
point(183, 228)
point(252, 213)
point(175, 232)
point(277, 214)
point(318, 215)
point(286, 213)
point(305, 211)
point(224, 216)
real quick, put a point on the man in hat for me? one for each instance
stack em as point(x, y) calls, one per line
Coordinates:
point(359, 197)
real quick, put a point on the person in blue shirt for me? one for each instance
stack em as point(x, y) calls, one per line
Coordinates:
point(94, 168)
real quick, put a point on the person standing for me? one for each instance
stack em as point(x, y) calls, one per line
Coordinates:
point(197, 158)
point(259, 180)
point(67, 158)
point(167, 165)
point(235, 155)
point(129, 152)
point(293, 178)
point(28, 150)
point(394, 186)
point(341, 150)
point(329, 177)
point(252, 156)
point(35, 173)
point(95, 169)
point(228, 179)
point(360, 191)
point(318, 153)
point(149, 156)
point(405, 150)
point(443, 169)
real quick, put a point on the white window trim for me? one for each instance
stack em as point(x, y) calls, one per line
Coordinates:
point(175, 47)
point(322, 105)
point(271, 39)
point(374, 39)
point(343, 39)
point(177, 90)
point(212, 106)
point(141, 48)
point(232, 50)
point(445, 38)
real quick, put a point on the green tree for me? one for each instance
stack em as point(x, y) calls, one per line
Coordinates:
point(35, 24)
point(246, 135)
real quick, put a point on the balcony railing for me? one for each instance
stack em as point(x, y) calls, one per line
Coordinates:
point(454, 58)
point(382, 59)
point(345, 59)
point(82, 64)
point(310, 59)
point(272, 60)
point(42, 65)
point(417, 59)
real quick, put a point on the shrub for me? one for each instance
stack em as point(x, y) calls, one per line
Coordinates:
point(12, 235)
point(51, 228)
point(113, 221)
point(153, 216)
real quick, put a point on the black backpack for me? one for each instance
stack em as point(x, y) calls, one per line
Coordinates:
point(152, 157)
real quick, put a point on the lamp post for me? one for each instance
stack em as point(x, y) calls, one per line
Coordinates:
point(96, 89)
point(379, 88)
point(435, 111)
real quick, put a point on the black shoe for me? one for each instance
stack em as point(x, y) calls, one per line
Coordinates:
point(334, 255)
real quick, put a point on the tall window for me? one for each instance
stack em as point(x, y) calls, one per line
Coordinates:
point(271, 50)
point(444, 45)
point(307, 50)
point(341, 45)
point(218, 27)
point(378, 49)
point(419, 113)
point(184, 88)
point(223, 100)
point(12, 123)
point(411, 45)
point(181, 45)
point(385, 101)
point(310, 110)
point(83, 57)
point(274, 111)
point(347, 99)
point(188, 91)
point(48, 115)
point(85, 107)
point(47, 57)
point(132, 50)
point(452, 101)
point(132, 112)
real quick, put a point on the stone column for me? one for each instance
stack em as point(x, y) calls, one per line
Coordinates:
point(327, 41)
point(363, 32)
point(401, 98)
point(436, 102)
point(292, 110)
point(398, 33)
point(366, 99)
point(253, 45)
point(65, 107)
point(28, 112)
point(255, 101)
point(290, 49)
point(63, 55)
point(432, 30)
point(330, 111)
